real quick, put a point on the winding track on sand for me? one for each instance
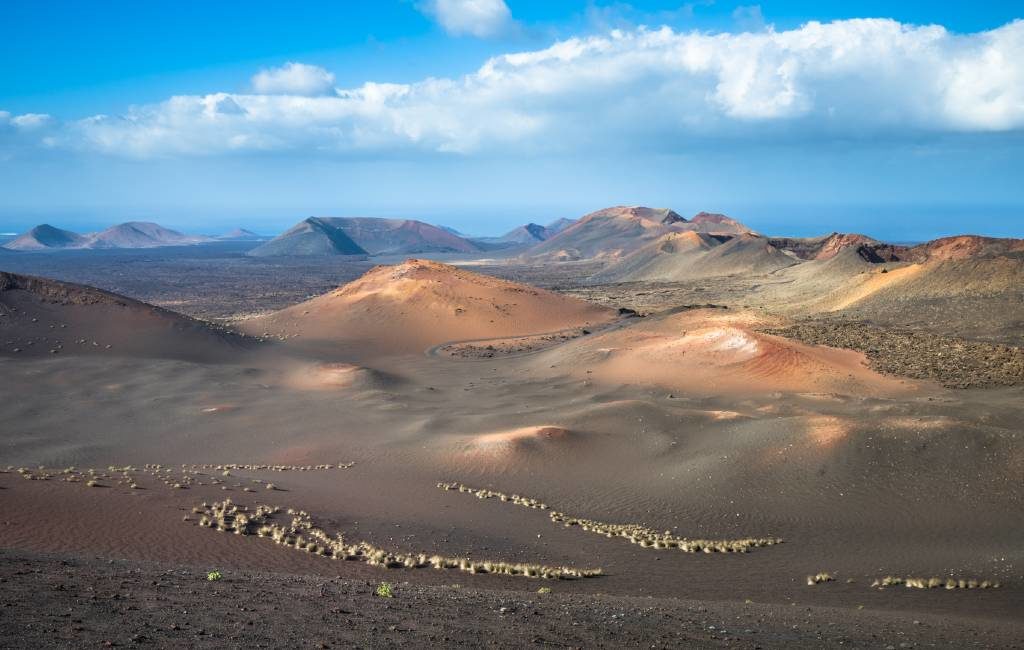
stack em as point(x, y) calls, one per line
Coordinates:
point(597, 329)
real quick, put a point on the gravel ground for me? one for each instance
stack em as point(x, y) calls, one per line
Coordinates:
point(952, 362)
point(50, 601)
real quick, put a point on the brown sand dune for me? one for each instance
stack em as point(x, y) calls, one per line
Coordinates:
point(714, 222)
point(976, 297)
point(963, 247)
point(983, 275)
point(871, 283)
point(818, 285)
point(688, 255)
point(966, 285)
point(40, 317)
point(614, 232)
point(828, 246)
point(660, 257)
point(703, 352)
point(513, 446)
point(412, 306)
point(611, 232)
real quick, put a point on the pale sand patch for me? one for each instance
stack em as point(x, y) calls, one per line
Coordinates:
point(328, 376)
point(508, 446)
point(827, 430)
point(875, 283)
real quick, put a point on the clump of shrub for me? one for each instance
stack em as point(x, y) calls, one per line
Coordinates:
point(935, 583)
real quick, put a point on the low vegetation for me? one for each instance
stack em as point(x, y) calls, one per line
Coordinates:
point(302, 534)
point(635, 533)
point(953, 362)
point(174, 478)
point(935, 583)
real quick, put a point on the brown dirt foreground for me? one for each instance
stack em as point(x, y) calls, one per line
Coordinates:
point(55, 601)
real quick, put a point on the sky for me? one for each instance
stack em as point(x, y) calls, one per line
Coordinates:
point(904, 121)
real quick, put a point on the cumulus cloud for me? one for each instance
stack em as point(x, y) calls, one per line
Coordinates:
point(642, 89)
point(480, 18)
point(23, 132)
point(294, 79)
point(30, 120)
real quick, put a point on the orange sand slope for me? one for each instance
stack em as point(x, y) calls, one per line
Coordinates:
point(706, 352)
point(411, 306)
point(41, 317)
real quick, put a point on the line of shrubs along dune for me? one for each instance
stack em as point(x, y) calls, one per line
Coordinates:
point(915, 583)
point(635, 533)
point(302, 534)
point(187, 476)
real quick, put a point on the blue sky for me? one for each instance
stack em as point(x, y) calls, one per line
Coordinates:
point(484, 114)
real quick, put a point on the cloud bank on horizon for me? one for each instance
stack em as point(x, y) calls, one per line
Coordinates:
point(642, 88)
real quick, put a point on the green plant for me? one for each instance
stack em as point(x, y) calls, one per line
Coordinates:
point(384, 590)
point(544, 590)
point(213, 576)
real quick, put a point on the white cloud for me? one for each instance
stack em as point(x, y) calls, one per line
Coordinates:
point(480, 18)
point(24, 122)
point(22, 132)
point(30, 120)
point(636, 90)
point(294, 79)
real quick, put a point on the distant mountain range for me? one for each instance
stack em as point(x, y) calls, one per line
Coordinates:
point(617, 231)
point(132, 234)
point(241, 234)
point(634, 242)
point(44, 237)
point(364, 236)
point(526, 235)
point(375, 236)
